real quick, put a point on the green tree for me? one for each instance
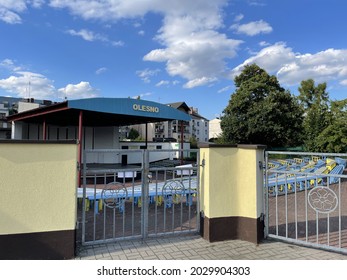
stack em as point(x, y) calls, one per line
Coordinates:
point(315, 101)
point(133, 134)
point(260, 111)
point(333, 139)
point(311, 94)
point(193, 142)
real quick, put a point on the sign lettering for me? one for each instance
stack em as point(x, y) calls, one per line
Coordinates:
point(145, 108)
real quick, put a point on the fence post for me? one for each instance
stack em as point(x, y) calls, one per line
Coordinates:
point(231, 186)
point(266, 197)
point(145, 194)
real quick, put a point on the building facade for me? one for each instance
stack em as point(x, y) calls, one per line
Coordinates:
point(5, 127)
point(170, 131)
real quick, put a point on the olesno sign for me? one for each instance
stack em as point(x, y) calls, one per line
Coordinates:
point(145, 108)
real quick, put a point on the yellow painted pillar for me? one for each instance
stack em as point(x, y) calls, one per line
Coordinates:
point(231, 192)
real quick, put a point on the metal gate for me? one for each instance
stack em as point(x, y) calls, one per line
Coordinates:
point(128, 194)
point(306, 199)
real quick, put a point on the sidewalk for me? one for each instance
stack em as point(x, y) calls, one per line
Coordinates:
point(193, 247)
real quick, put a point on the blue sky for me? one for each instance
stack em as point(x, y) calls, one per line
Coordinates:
point(168, 51)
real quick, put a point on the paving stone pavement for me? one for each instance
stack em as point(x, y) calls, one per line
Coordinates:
point(193, 247)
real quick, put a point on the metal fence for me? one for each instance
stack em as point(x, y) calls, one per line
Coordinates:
point(306, 199)
point(129, 194)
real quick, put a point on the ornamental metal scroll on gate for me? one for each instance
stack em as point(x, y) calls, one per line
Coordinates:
point(322, 199)
point(114, 196)
point(172, 192)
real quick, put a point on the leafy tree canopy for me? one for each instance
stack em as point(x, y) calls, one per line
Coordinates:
point(333, 138)
point(315, 101)
point(133, 134)
point(260, 111)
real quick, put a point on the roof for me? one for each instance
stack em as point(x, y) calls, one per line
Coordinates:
point(101, 112)
point(198, 116)
point(179, 105)
point(182, 106)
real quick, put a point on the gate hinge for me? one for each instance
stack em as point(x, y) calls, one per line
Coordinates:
point(78, 166)
point(261, 165)
point(262, 217)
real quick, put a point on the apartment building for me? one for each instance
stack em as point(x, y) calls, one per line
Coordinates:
point(171, 131)
point(5, 127)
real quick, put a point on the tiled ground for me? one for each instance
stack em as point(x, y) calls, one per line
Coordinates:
point(193, 247)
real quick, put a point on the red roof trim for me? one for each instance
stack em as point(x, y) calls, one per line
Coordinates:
point(38, 112)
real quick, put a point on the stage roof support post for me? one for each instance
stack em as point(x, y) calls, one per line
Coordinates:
point(146, 136)
point(44, 130)
point(182, 141)
point(80, 145)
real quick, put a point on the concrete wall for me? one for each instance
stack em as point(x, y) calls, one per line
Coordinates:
point(231, 192)
point(38, 200)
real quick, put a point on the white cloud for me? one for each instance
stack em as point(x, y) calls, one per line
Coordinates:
point(25, 84)
point(142, 95)
point(193, 47)
point(9, 16)
point(264, 44)
point(323, 66)
point(291, 68)
point(81, 90)
point(117, 43)
point(146, 74)
point(194, 56)
point(36, 3)
point(162, 83)
point(141, 32)
point(9, 65)
point(256, 3)
point(91, 37)
point(252, 28)
point(227, 88)
point(86, 35)
point(120, 9)
point(101, 70)
point(199, 82)
point(10, 9)
point(239, 17)
point(269, 58)
point(194, 53)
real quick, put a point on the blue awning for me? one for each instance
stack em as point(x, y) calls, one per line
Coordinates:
point(129, 107)
point(102, 112)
